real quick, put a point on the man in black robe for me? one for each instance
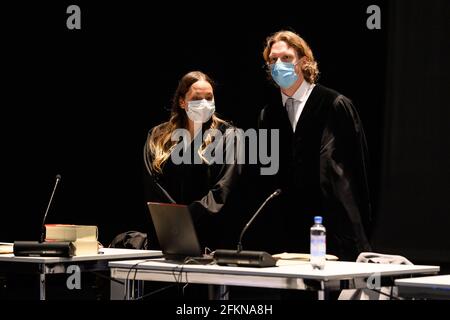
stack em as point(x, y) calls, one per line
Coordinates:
point(323, 157)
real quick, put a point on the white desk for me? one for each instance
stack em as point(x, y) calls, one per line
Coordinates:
point(301, 276)
point(435, 287)
point(54, 265)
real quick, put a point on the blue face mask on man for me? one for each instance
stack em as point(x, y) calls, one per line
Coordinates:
point(283, 73)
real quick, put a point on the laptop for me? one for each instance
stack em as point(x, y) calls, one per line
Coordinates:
point(176, 233)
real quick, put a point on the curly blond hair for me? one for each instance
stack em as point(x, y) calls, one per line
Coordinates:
point(310, 69)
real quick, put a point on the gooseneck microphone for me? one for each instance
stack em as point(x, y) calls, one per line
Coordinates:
point(41, 248)
point(273, 195)
point(243, 258)
point(58, 178)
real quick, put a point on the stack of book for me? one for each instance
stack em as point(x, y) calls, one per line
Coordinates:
point(83, 238)
point(6, 248)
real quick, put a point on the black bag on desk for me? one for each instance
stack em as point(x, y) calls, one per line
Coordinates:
point(130, 240)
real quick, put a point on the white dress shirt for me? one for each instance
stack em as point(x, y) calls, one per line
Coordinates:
point(300, 97)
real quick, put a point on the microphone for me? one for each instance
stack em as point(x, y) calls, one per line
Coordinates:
point(247, 258)
point(58, 178)
point(41, 248)
point(273, 195)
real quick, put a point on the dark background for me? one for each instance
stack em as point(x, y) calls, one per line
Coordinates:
point(80, 102)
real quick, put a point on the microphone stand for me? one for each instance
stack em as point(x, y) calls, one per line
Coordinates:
point(42, 237)
point(247, 258)
point(41, 248)
point(239, 246)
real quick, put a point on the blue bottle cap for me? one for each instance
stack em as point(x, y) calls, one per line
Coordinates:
point(318, 219)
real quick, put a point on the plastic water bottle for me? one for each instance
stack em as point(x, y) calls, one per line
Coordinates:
point(318, 244)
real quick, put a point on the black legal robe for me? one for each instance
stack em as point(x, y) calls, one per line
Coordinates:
point(206, 188)
point(323, 171)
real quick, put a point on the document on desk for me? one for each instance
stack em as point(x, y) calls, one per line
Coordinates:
point(300, 256)
point(6, 248)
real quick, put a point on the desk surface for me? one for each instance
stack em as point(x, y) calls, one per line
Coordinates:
point(334, 270)
point(107, 254)
point(439, 282)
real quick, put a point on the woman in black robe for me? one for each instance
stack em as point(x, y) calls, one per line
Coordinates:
point(179, 170)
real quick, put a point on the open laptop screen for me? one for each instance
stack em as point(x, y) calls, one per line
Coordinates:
point(175, 230)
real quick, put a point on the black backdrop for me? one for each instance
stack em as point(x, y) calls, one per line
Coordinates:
point(414, 214)
point(79, 103)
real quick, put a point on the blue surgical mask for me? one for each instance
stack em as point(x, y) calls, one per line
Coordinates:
point(283, 73)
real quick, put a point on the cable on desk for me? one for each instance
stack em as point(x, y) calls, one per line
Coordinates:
point(179, 277)
point(178, 274)
point(128, 274)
